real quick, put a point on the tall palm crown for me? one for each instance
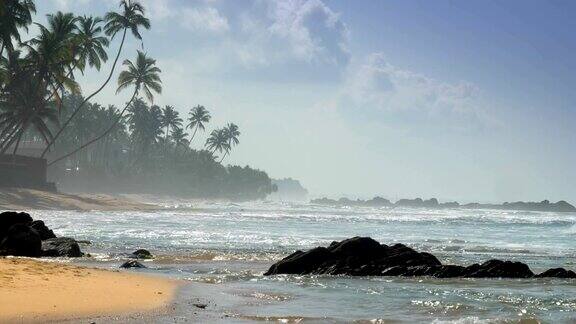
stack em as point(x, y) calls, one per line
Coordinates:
point(143, 75)
point(131, 18)
point(90, 43)
point(51, 52)
point(14, 14)
point(199, 116)
point(218, 141)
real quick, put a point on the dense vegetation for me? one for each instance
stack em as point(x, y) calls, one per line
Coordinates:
point(140, 147)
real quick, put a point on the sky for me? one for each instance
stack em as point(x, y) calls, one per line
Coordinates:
point(459, 100)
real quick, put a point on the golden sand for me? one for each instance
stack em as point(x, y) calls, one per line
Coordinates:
point(36, 291)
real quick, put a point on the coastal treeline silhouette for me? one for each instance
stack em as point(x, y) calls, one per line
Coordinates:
point(136, 147)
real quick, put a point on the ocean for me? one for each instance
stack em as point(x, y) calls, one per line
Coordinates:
point(224, 249)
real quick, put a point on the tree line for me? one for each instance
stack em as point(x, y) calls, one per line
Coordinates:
point(140, 145)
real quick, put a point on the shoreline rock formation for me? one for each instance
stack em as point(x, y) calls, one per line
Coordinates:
point(545, 205)
point(20, 235)
point(363, 256)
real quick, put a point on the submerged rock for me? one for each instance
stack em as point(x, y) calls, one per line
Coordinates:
point(61, 247)
point(142, 254)
point(21, 240)
point(132, 264)
point(557, 273)
point(363, 256)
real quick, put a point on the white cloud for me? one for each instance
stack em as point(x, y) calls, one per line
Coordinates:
point(204, 19)
point(314, 31)
point(378, 82)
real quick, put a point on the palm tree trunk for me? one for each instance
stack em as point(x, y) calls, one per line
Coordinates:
point(102, 135)
point(193, 134)
point(88, 98)
point(2, 50)
point(223, 156)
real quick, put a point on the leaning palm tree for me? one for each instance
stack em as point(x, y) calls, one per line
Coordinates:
point(218, 141)
point(143, 76)
point(132, 18)
point(199, 116)
point(170, 119)
point(14, 14)
point(232, 133)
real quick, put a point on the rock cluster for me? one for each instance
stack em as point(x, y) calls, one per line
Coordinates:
point(20, 235)
point(363, 256)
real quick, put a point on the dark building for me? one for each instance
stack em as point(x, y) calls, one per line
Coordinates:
point(24, 172)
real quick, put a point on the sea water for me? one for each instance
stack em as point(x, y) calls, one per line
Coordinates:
point(229, 246)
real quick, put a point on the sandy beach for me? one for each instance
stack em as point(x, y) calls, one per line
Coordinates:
point(36, 291)
point(29, 199)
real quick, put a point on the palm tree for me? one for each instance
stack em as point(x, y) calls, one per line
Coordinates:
point(199, 116)
point(131, 19)
point(90, 43)
point(142, 75)
point(232, 133)
point(218, 141)
point(170, 119)
point(14, 14)
point(179, 137)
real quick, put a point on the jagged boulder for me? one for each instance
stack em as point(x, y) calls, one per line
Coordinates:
point(42, 230)
point(61, 247)
point(21, 240)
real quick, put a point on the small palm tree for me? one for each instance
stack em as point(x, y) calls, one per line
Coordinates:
point(218, 141)
point(170, 119)
point(199, 116)
point(132, 18)
point(179, 137)
point(14, 14)
point(232, 133)
point(143, 76)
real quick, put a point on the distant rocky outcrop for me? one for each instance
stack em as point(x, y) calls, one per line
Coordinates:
point(545, 205)
point(363, 256)
point(20, 235)
point(288, 189)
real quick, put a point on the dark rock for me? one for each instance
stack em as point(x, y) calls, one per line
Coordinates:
point(21, 240)
point(142, 254)
point(61, 247)
point(132, 264)
point(363, 256)
point(201, 306)
point(8, 219)
point(358, 256)
point(499, 269)
point(557, 273)
point(44, 232)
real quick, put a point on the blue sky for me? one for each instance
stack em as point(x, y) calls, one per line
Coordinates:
point(468, 100)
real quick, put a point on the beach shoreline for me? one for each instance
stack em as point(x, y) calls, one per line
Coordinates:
point(18, 199)
point(40, 291)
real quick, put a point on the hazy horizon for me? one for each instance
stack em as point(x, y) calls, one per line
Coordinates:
point(468, 101)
